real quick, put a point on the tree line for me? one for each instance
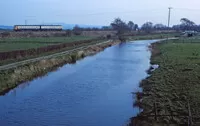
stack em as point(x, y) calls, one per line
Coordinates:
point(186, 25)
point(123, 27)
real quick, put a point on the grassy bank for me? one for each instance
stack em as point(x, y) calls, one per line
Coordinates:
point(46, 53)
point(11, 78)
point(10, 44)
point(171, 94)
point(151, 36)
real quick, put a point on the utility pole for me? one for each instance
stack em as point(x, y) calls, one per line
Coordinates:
point(169, 16)
point(25, 22)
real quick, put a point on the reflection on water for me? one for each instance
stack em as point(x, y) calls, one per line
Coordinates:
point(96, 91)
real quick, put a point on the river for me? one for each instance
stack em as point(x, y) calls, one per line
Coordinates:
point(95, 91)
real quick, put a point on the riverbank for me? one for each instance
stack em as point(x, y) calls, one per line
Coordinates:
point(152, 36)
point(25, 54)
point(171, 94)
point(13, 77)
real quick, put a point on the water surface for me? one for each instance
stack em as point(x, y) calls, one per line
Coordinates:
point(96, 91)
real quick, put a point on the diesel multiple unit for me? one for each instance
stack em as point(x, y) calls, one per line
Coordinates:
point(38, 27)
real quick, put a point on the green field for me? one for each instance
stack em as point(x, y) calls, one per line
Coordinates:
point(175, 86)
point(4, 62)
point(152, 36)
point(10, 44)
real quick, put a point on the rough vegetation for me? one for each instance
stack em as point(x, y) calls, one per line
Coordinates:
point(171, 94)
point(11, 78)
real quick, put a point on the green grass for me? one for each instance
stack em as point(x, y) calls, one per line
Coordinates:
point(20, 46)
point(152, 36)
point(4, 62)
point(195, 39)
point(10, 44)
point(176, 83)
point(46, 39)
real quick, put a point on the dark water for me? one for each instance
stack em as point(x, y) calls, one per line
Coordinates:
point(95, 91)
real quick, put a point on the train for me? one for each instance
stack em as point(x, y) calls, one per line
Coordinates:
point(38, 28)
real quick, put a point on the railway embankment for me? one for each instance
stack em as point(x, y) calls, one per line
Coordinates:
point(11, 78)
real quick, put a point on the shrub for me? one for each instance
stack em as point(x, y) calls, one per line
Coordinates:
point(5, 34)
point(122, 38)
point(108, 36)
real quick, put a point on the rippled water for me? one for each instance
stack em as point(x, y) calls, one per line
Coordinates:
point(95, 91)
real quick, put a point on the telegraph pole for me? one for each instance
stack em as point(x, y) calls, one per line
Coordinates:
point(169, 16)
point(26, 22)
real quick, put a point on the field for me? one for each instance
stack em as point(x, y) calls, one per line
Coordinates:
point(171, 94)
point(152, 36)
point(18, 49)
point(10, 44)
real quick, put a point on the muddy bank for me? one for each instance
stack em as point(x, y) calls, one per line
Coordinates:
point(170, 94)
point(11, 78)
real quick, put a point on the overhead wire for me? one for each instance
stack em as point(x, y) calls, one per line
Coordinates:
point(114, 12)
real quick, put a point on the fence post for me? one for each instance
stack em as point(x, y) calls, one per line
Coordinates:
point(189, 115)
point(155, 111)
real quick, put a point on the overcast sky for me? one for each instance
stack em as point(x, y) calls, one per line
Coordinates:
point(96, 12)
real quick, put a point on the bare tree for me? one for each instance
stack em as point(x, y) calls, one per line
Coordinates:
point(119, 25)
point(131, 25)
point(147, 27)
point(77, 30)
point(136, 27)
point(160, 27)
point(187, 24)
